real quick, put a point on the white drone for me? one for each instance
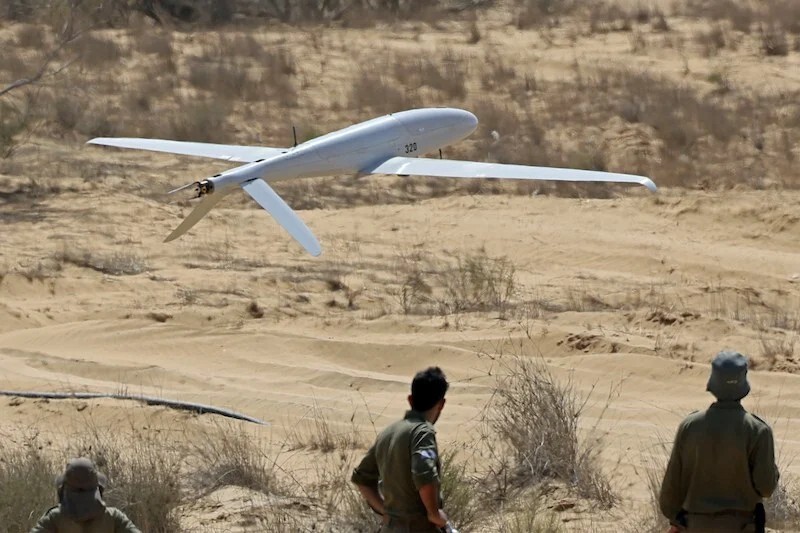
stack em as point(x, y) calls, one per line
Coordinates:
point(385, 145)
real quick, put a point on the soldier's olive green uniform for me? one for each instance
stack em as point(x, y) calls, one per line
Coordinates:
point(722, 465)
point(111, 521)
point(403, 459)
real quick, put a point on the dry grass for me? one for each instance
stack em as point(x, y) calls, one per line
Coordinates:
point(27, 490)
point(144, 475)
point(115, 264)
point(323, 436)
point(375, 92)
point(535, 421)
point(228, 455)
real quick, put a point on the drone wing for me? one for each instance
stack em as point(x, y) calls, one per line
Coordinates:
point(447, 168)
point(283, 214)
point(244, 154)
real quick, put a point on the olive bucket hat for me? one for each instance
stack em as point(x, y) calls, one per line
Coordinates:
point(728, 380)
point(79, 490)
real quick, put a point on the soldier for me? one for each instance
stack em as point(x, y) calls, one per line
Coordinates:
point(81, 508)
point(723, 460)
point(401, 474)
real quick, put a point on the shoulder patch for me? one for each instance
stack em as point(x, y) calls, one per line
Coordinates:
point(428, 454)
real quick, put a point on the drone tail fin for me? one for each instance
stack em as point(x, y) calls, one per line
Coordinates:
point(194, 217)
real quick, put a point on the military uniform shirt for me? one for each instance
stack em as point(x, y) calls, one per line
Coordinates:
point(723, 459)
point(112, 521)
point(403, 458)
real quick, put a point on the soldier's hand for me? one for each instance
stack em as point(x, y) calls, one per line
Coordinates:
point(438, 519)
point(674, 529)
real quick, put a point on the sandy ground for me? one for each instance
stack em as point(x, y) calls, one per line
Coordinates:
point(84, 330)
point(632, 294)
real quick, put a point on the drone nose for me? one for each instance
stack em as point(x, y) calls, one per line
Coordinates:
point(470, 120)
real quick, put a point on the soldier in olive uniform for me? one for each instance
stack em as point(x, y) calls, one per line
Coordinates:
point(723, 460)
point(81, 508)
point(401, 473)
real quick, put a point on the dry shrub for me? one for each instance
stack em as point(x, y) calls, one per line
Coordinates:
point(323, 436)
point(534, 421)
point(740, 14)
point(14, 122)
point(12, 62)
point(773, 41)
point(31, 36)
point(497, 74)
point(784, 12)
point(155, 43)
point(96, 51)
point(144, 475)
point(228, 455)
point(477, 282)
point(711, 41)
point(17, 10)
point(415, 292)
point(203, 120)
point(659, 22)
point(27, 490)
point(675, 111)
point(654, 465)
point(460, 493)
point(604, 18)
point(222, 70)
point(447, 75)
point(373, 91)
point(782, 508)
point(225, 79)
point(539, 13)
point(67, 112)
point(116, 264)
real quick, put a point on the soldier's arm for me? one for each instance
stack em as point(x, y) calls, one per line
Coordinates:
point(425, 472)
point(46, 524)
point(671, 497)
point(123, 524)
point(762, 464)
point(366, 476)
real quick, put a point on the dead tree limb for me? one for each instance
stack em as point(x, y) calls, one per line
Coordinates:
point(149, 400)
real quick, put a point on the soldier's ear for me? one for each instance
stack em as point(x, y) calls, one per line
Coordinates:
point(410, 402)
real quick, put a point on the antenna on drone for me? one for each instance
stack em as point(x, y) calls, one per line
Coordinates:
point(294, 134)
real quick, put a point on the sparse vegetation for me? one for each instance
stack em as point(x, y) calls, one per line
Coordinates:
point(116, 264)
point(228, 455)
point(535, 420)
point(27, 473)
point(705, 128)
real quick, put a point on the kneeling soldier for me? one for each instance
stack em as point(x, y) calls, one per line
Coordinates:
point(81, 508)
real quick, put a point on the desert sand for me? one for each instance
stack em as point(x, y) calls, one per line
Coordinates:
point(632, 294)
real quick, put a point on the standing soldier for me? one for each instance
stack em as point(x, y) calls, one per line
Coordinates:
point(81, 508)
point(400, 476)
point(723, 460)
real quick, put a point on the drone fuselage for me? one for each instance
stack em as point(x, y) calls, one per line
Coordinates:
point(358, 147)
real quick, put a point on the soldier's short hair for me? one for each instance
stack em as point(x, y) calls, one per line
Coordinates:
point(427, 388)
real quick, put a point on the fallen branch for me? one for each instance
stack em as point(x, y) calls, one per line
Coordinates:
point(149, 400)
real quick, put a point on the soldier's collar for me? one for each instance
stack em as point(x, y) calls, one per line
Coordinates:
point(727, 404)
point(415, 415)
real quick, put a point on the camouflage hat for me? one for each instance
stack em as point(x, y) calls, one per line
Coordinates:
point(728, 380)
point(79, 487)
